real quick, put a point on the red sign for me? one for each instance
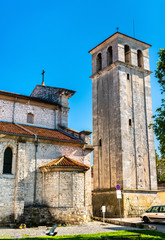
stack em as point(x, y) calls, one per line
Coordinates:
point(118, 187)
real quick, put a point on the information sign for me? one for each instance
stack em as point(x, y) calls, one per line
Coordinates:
point(118, 193)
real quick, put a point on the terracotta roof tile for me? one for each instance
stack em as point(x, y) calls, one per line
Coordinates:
point(20, 129)
point(65, 162)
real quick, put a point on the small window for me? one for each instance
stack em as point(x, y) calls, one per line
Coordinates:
point(130, 122)
point(30, 118)
point(99, 62)
point(109, 56)
point(127, 76)
point(7, 163)
point(140, 58)
point(127, 53)
point(100, 142)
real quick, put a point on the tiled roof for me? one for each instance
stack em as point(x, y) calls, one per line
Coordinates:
point(65, 162)
point(29, 131)
point(20, 96)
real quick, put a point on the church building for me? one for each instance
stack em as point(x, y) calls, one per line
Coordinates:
point(45, 171)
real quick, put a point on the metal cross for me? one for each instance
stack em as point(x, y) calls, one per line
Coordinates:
point(43, 72)
point(117, 29)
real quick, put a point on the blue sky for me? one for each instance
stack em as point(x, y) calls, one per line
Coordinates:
point(57, 35)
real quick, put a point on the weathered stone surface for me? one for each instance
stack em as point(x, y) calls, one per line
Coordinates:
point(122, 111)
point(64, 195)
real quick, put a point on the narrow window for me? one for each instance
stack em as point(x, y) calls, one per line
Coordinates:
point(127, 76)
point(99, 62)
point(109, 56)
point(7, 163)
point(127, 53)
point(100, 142)
point(30, 118)
point(130, 122)
point(140, 58)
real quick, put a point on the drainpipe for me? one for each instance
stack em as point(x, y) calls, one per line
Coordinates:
point(16, 185)
point(35, 173)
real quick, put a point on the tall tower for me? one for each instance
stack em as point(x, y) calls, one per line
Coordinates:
point(122, 111)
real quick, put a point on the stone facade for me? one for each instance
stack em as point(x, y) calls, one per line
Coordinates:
point(60, 195)
point(122, 111)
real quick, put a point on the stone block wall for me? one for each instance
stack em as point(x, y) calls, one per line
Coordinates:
point(44, 117)
point(66, 193)
point(136, 203)
point(133, 203)
point(107, 162)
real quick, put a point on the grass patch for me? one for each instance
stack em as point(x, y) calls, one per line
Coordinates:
point(145, 235)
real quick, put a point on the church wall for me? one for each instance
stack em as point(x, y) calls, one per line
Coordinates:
point(43, 116)
point(7, 184)
point(47, 152)
point(6, 110)
point(9, 204)
point(23, 183)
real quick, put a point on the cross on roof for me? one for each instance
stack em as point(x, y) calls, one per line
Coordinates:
point(43, 83)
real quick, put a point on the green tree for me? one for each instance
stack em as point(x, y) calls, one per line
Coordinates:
point(160, 168)
point(159, 117)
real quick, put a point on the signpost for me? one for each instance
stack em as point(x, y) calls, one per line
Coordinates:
point(119, 196)
point(103, 208)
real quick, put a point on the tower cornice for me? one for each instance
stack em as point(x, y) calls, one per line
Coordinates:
point(120, 63)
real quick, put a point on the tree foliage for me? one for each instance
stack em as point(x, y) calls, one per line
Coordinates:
point(159, 117)
point(160, 167)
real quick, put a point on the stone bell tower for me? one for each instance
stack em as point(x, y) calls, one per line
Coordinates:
point(122, 111)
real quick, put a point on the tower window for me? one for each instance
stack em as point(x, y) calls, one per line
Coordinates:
point(30, 118)
point(100, 142)
point(140, 58)
point(130, 122)
point(127, 76)
point(99, 62)
point(109, 56)
point(127, 54)
point(7, 163)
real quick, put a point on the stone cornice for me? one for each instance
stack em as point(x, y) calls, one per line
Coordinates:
point(119, 63)
point(103, 191)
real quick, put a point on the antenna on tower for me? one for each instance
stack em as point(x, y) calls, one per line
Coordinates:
point(133, 29)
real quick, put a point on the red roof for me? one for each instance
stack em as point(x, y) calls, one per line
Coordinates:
point(65, 162)
point(42, 133)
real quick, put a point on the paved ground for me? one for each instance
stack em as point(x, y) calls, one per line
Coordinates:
point(89, 228)
point(160, 226)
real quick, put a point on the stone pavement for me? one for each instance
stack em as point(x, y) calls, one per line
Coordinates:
point(88, 228)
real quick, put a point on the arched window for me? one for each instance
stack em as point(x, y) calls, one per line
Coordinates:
point(109, 56)
point(140, 58)
point(99, 62)
point(7, 163)
point(30, 118)
point(127, 53)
